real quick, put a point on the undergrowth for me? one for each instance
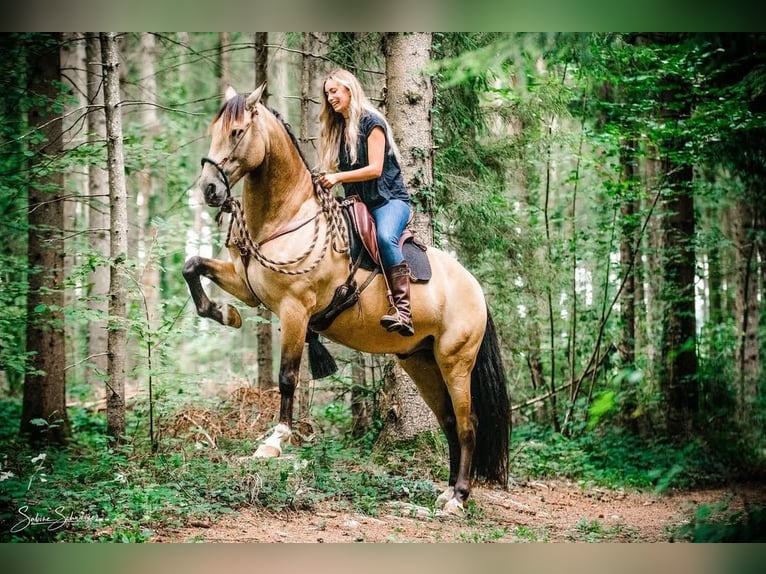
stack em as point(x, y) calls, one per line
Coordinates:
point(90, 491)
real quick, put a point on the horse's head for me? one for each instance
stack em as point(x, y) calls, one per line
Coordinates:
point(237, 146)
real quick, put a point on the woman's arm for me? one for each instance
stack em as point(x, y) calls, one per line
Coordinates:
point(376, 148)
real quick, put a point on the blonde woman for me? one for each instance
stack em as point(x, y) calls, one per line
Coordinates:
point(357, 149)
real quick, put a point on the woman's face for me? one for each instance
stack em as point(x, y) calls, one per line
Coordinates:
point(337, 96)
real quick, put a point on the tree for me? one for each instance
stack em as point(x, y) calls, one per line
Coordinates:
point(118, 245)
point(44, 415)
point(98, 218)
point(678, 369)
point(263, 329)
point(409, 97)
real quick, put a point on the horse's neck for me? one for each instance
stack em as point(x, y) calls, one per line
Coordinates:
point(277, 194)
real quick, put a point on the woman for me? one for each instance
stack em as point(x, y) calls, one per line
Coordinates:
point(357, 149)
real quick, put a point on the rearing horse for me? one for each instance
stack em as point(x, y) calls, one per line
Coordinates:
point(289, 252)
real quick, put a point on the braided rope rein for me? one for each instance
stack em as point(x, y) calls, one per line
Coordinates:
point(244, 242)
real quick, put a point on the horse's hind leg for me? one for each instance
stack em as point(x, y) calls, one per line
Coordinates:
point(424, 371)
point(456, 359)
point(222, 273)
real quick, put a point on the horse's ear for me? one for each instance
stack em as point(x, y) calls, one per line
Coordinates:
point(255, 97)
point(229, 93)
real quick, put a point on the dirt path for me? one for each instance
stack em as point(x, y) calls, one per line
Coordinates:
point(548, 511)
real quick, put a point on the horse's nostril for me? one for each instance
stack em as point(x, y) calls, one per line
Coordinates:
point(210, 191)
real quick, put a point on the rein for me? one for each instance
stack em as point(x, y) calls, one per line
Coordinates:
point(239, 236)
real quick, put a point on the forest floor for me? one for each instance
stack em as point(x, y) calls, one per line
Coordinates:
point(538, 511)
point(528, 511)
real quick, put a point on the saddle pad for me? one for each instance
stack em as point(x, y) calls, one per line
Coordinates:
point(417, 259)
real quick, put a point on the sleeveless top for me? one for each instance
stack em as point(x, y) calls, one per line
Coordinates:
point(390, 184)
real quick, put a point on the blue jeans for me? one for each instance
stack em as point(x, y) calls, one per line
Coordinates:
point(390, 221)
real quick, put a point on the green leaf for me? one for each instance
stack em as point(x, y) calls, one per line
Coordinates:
point(602, 404)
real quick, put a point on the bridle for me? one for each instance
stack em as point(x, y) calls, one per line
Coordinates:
point(218, 165)
point(244, 242)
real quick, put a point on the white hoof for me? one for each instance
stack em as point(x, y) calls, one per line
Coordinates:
point(445, 496)
point(267, 451)
point(454, 506)
point(272, 446)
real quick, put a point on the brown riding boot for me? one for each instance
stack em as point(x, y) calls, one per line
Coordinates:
point(400, 317)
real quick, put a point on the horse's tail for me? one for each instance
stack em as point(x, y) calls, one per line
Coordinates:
point(489, 397)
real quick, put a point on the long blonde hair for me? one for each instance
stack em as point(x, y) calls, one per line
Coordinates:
point(332, 123)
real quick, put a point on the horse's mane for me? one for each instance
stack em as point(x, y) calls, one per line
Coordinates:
point(233, 110)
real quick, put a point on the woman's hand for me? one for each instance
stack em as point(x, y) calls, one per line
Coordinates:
point(328, 180)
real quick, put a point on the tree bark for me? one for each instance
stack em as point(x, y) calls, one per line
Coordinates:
point(147, 186)
point(98, 220)
point(747, 306)
point(409, 97)
point(44, 396)
point(73, 79)
point(118, 245)
point(678, 378)
point(224, 62)
point(264, 333)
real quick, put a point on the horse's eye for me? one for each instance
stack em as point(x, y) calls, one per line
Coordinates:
point(236, 133)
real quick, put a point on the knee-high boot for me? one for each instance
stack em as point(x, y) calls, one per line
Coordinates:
point(400, 315)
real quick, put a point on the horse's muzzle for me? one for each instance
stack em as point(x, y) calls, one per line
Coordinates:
point(213, 194)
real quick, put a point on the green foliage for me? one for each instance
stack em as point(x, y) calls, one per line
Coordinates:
point(612, 457)
point(718, 523)
point(89, 492)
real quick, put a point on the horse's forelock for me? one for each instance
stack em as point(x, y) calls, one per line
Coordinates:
point(232, 111)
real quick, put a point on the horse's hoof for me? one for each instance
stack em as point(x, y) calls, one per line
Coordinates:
point(454, 506)
point(231, 317)
point(445, 497)
point(267, 451)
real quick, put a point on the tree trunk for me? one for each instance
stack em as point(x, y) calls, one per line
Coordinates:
point(118, 245)
point(44, 416)
point(678, 378)
point(261, 42)
point(314, 69)
point(361, 405)
point(408, 105)
point(224, 62)
point(98, 220)
point(747, 306)
point(147, 186)
point(629, 256)
point(74, 79)
point(264, 334)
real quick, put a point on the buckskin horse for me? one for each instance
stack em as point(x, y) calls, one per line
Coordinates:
point(290, 252)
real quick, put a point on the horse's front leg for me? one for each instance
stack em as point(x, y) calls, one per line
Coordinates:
point(223, 274)
point(293, 338)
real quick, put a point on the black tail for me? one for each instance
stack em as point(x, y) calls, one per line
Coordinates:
point(489, 397)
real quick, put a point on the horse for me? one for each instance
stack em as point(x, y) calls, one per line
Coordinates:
point(289, 251)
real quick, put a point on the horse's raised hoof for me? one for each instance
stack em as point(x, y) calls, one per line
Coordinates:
point(231, 317)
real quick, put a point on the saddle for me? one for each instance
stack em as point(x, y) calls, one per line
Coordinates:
point(363, 235)
point(363, 246)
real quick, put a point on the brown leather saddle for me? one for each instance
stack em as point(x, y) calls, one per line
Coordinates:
point(363, 246)
point(363, 235)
